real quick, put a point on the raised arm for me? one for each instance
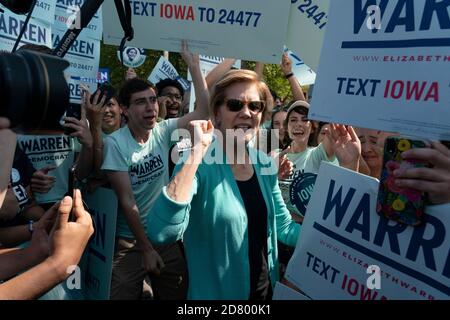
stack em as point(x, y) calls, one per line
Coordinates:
point(217, 73)
point(201, 89)
point(286, 67)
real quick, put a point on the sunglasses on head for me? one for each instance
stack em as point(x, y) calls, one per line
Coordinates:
point(236, 105)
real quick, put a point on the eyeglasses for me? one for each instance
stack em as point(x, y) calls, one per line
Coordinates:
point(175, 97)
point(235, 105)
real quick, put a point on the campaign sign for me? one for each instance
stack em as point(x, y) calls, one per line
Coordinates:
point(304, 74)
point(251, 29)
point(98, 256)
point(301, 190)
point(385, 67)
point(347, 251)
point(36, 32)
point(283, 292)
point(66, 16)
point(163, 70)
point(306, 30)
point(84, 58)
point(132, 57)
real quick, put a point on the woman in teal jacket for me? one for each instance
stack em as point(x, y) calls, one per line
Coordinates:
point(225, 204)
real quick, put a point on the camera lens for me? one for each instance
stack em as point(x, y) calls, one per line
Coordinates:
point(18, 6)
point(33, 89)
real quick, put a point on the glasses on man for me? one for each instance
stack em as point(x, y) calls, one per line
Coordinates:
point(174, 97)
point(236, 105)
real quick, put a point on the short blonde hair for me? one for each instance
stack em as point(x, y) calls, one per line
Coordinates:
point(232, 77)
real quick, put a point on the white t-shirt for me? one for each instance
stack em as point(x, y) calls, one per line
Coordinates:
point(146, 164)
point(307, 161)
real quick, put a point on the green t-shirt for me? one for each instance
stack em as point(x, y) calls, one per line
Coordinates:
point(307, 161)
point(146, 164)
point(51, 150)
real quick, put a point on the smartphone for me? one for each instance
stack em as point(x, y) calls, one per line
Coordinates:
point(105, 90)
point(74, 111)
point(70, 188)
point(396, 203)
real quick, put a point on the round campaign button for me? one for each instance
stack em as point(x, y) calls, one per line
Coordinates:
point(132, 57)
point(301, 190)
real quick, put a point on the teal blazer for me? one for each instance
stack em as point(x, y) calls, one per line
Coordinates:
point(213, 226)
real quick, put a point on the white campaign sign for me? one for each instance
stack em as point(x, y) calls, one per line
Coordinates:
point(45, 11)
point(163, 70)
point(84, 58)
point(66, 15)
point(304, 74)
point(386, 67)
point(37, 31)
point(307, 25)
point(251, 29)
point(342, 235)
point(283, 292)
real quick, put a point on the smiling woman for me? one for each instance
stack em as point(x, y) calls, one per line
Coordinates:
point(231, 251)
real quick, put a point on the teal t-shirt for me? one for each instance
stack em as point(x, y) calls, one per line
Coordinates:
point(307, 161)
point(51, 150)
point(146, 164)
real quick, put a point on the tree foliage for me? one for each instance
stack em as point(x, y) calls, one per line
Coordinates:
point(273, 75)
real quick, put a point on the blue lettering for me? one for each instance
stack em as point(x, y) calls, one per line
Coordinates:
point(392, 232)
point(417, 241)
point(396, 20)
point(441, 10)
point(336, 203)
point(363, 210)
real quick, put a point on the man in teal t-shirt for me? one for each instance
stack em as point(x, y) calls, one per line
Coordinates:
point(135, 159)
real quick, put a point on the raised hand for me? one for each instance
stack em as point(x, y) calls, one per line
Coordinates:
point(201, 134)
point(94, 110)
point(68, 239)
point(191, 59)
point(286, 64)
point(285, 166)
point(345, 144)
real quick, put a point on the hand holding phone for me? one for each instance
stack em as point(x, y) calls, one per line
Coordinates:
point(405, 205)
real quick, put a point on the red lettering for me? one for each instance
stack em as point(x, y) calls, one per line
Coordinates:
point(433, 92)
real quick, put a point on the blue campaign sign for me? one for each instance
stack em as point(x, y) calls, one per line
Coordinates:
point(98, 256)
point(91, 279)
point(66, 17)
point(37, 31)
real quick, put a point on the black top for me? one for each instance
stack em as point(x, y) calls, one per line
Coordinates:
point(255, 206)
point(20, 178)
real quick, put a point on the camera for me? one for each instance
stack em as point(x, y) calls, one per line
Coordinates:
point(18, 6)
point(33, 88)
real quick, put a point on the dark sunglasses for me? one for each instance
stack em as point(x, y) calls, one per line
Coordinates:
point(235, 105)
